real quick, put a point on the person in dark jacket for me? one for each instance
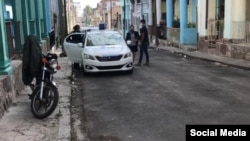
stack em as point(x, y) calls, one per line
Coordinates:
point(133, 36)
point(32, 54)
point(77, 38)
point(144, 40)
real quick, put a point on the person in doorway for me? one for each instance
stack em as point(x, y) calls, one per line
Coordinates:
point(144, 40)
point(133, 36)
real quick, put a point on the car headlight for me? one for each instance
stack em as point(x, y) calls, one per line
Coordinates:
point(86, 56)
point(127, 55)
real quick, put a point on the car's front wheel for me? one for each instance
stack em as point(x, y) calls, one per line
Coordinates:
point(130, 71)
point(85, 73)
point(76, 66)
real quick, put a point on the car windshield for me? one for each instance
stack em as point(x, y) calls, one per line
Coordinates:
point(100, 39)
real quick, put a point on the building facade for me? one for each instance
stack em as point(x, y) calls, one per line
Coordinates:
point(125, 16)
point(140, 9)
point(111, 13)
point(224, 28)
point(18, 20)
point(97, 17)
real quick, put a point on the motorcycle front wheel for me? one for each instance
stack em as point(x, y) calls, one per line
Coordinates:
point(45, 107)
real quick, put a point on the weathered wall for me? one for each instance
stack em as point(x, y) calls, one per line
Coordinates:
point(10, 86)
point(173, 35)
point(226, 48)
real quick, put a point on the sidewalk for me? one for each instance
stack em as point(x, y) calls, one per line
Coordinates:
point(18, 123)
point(208, 57)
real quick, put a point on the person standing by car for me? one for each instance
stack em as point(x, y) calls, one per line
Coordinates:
point(133, 36)
point(77, 38)
point(144, 40)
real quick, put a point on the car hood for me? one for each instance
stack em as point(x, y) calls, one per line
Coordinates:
point(106, 50)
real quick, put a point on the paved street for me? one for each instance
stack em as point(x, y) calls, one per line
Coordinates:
point(155, 103)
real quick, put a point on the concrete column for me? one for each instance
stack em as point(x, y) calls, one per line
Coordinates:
point(239, 10)
point(239, 19)
point(183, 20)
point(228, 20)
point(150, 13)
point(5, 68)
point(170, 13)
point(38, 20)
point(235, 17)
point(158, 11)
point(183, 14)
point(201, 18)
point(47, 18)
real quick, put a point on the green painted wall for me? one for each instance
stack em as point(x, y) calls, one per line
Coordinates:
point(5, 67)
point(18, 18)
point(32, 8)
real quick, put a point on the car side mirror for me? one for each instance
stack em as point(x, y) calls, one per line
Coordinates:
point(80, 44)
point(128, 42)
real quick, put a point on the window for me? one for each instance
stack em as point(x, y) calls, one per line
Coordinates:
point(8, 12)
point(75, 38)
point(100, 39)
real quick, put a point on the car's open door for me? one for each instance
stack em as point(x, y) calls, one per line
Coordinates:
point(73, 45)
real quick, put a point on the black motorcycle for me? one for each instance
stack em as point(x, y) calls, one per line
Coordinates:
point(45, 96)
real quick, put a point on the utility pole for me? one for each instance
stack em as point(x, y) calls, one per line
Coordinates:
point(62, 24)
point(65, 19)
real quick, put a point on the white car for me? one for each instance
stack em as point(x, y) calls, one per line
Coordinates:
point(99, 51)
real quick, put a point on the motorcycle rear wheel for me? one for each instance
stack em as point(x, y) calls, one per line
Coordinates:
point(45, 107)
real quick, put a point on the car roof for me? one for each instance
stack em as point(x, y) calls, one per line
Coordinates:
point(102, 31)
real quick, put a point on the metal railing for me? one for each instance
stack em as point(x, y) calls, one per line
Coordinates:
point(241, 32)
point(215, 29)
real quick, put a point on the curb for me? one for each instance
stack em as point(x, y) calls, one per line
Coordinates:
point(64, 89)
point(214, 60)
point(237, 63)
